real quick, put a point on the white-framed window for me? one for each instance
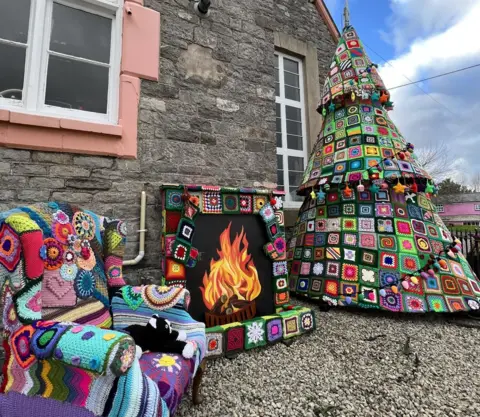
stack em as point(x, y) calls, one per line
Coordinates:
point(440, 208)
point(61, 58)
point(476, 207)
point(291, 129)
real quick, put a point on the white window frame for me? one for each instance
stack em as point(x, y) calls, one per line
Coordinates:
point(476, 207)
point(440, 208)
point(36, 62)
point(284, 151)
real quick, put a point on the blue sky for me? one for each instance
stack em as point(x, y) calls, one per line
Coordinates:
point(419, 39)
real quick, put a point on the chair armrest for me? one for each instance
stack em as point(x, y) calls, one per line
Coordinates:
point(114, 239)
point(105, 352)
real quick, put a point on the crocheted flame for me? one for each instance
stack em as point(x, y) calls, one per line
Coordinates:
point(233, 280)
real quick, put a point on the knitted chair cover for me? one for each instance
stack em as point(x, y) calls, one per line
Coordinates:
point(57, 263)
point(171, 372)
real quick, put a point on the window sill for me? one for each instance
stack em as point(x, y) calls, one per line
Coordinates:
point(60, 123)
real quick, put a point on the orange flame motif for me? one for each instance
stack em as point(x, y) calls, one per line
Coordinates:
point(232, 277)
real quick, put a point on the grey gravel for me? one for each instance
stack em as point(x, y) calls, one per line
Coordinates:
point(354, 364)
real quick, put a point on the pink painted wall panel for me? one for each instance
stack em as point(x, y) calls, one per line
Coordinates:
point(459, 209)
point(141, 42)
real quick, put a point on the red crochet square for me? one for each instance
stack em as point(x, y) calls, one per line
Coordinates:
point(235, 339)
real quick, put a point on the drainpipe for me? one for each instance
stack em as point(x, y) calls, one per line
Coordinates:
point(142, 230)
point(201, 8)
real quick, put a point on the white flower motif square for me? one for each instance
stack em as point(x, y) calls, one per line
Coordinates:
point(333, 225)
point(368, 275)
point(255, 332)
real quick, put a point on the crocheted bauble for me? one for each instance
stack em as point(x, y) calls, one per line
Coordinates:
point(161, 297)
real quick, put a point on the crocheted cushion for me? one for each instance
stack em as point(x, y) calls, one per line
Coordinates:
point(155, 297)
point(172, 374)
point(86, 347)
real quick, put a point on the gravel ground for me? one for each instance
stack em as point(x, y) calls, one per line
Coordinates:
point(343, 369)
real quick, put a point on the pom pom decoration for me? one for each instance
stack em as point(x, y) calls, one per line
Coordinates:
point(324, 112)
point(313, 195)
point(353, 96)
point(320, 195)
point(443, 263)
point(405, 284)
point(375, 96)
point(360, 188)
point(414, 280)
point(374, 188)
point(424, 275)
point(273, 202)
point(348, 300)
point(384, 186)
point(401, 155)
point(382, 293)
point(347, 191)
point(394, 289)
point(429, 188)
point(414, 187)
point(326, 187)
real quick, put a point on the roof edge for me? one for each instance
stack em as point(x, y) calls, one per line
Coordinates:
point(327, 17)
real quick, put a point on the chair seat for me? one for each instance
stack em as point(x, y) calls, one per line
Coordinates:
point(171, 372)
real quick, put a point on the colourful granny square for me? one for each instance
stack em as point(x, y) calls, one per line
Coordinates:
point(212, 202)
point(349, 224)
point(215, 343)
point(246, 204)
point(368, 240)
point(423, 244)
point(173, 200)
point(409, 263)
point(231, 203)
point(403, 227)
point(349, 272)
point(387, 242)
point(274, 328)
point(333, 269)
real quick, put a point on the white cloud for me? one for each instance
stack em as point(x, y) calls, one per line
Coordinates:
point(421, 118)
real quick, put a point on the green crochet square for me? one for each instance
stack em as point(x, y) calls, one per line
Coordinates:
point(255, 333)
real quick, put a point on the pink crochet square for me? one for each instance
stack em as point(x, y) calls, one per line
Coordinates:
point(57, 292)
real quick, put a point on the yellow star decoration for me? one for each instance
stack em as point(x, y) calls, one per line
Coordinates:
point(399, 188)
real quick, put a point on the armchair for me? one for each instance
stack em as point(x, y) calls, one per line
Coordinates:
point(58, 265)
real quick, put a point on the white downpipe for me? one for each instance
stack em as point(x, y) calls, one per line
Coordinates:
point(142, 230)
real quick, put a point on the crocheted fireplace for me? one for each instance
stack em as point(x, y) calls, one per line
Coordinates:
point(227, 247)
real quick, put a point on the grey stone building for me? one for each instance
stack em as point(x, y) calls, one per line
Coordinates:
point(236, 94)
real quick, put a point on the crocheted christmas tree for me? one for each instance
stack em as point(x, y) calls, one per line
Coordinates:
point(367, 233)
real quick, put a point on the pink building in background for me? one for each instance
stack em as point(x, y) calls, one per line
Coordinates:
point(463, 209)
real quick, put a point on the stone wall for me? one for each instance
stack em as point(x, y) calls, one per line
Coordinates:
point(210, 119)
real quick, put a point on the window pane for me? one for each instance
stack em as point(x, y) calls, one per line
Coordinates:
point(293, 194)
point(278, 125)
point(295, 142)
point(14, 17)
point(280, 184)
point(276, 61)
point(295, 178)
point(76, 85)
point(12, 69)
point(279, 140)
point(280, 162)
point(294, 128)
point(295, 163)
point(82, 34)
point(292, 93)
point(290, 66)
point(293, 113)
point(291, 79)
point(277, 89)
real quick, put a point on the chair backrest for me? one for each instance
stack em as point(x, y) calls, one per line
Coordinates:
point(58, 262)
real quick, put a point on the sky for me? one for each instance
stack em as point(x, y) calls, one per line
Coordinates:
point(417, 39)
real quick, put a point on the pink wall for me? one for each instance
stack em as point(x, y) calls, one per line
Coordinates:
point(459, 209)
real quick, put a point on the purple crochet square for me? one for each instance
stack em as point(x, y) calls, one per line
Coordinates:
point(274, 330)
